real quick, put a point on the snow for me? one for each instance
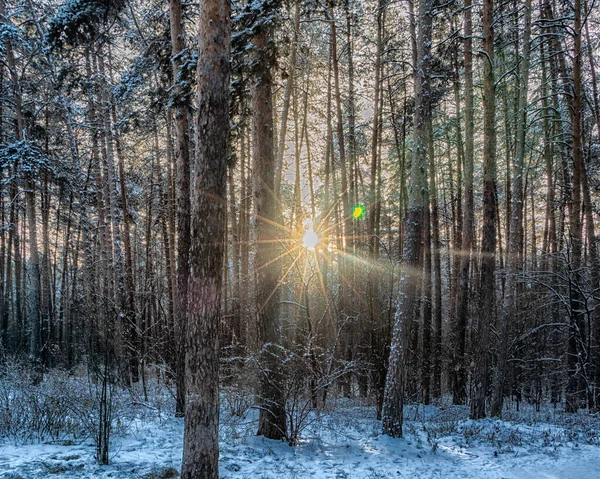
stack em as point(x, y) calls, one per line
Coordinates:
point(439, 442)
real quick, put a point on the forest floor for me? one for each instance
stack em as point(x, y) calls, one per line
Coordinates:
point(439, 442)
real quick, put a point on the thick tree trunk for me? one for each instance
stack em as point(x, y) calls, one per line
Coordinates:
point(170, 342)
point(488, 236)
point(297, 216)
point(49, 330)
point(589, 220)
point(234, 241)
point(456, 200)
point(209, 201)
point(245, 209)
point(549, 244)
point(272, 420)
point(393, 404)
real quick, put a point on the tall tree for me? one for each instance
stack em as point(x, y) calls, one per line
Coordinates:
point(393, 404)
point(180, 107)
point(577, 328)
point(487, 293)
point(459, 393)
point(272, 419)
point(515, 241)
point(208, 230)
point(279, 166)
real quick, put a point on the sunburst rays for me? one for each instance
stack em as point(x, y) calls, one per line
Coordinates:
point(313, 247)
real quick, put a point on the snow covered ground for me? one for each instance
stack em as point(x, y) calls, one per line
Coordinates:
point(440, 442)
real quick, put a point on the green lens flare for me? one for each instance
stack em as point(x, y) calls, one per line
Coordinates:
point(359, 212)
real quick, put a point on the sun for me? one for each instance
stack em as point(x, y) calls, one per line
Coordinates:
point(310, 239)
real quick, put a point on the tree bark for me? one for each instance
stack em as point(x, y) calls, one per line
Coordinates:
point(393, 404)
point(182, 129)
point(272, 419)
point(437, 278)
point(577, 329)
point(131, 320)
point(208, 205)
point(427, 310)
point(488, 236)
point(459, 393)
point(515, 240)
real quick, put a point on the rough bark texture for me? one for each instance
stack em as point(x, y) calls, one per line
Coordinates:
point(393, 403)
point(201, 437)
point(3, 255)
point(591, 234)
point(272, 421)
point(488, 235)
point(183, 202)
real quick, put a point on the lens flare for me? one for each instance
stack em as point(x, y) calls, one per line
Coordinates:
point(358, 212)
point(310, 239)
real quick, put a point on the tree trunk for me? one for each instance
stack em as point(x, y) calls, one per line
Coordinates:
point(131, 321)
point(286, 101)
point(353, 167)
point(272, 419)
point(374, 195)
point(516, 238)
point(4, 255)
point(209, 201)
point(170, 341)
point(488, 236)
point(183, 202)
point(410, 274)
point(437, 278)
point(340, 125)
point(459, 393)
point(427, 310)
point(577, 329)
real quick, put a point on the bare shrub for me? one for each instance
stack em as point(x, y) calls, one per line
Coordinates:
point(62, 407)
